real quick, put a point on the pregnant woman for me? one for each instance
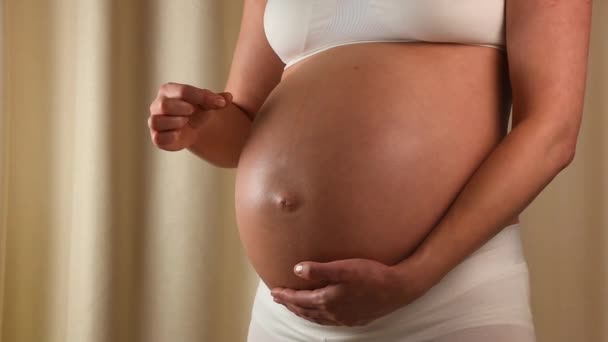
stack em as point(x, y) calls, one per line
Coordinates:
point(373, 152)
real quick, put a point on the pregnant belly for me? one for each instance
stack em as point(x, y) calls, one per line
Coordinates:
point(359, 151)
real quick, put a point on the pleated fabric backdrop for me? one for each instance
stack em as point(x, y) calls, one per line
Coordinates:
point(103, 237)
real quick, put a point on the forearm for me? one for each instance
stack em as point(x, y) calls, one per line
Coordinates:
point(222, 136)
point(507, 181)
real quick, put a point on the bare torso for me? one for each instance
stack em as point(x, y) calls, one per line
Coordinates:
point(361, 148)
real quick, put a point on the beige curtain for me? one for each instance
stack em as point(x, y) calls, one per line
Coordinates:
point(103, 237)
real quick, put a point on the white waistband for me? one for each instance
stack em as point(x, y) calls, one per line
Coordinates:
point(501, 256)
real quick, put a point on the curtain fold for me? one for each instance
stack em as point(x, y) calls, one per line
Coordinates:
point(104, 237)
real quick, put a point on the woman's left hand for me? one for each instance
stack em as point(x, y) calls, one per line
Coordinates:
point(359, 291)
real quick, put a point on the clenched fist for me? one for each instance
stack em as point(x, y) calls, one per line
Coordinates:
point(177, 113)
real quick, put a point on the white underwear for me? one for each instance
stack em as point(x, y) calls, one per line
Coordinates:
point(490, 288)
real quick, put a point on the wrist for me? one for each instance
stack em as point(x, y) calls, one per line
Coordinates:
point(416, 274)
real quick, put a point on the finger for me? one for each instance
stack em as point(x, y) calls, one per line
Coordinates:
point(334, 271)
point(170, 106)
point(309, 299)
point(166, 122)
point(316, 316)
point(202, 98)
point(227, 96)
point(164, 138)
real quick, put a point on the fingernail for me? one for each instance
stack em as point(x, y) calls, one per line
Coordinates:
point(219, 101)
point(298, 269)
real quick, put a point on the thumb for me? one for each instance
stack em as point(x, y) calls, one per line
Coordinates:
point(227, 96)
point(338, 271)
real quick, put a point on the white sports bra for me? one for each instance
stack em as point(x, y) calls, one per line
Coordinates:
point(297, 29)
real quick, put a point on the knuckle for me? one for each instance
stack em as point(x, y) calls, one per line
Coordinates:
point(151, 122)
point(294, 310)
point(183, 121)
point(164, 87)
point(158, 141)
point(182, 90)
point(191, 108)
point(164, 106)
point(207, 95)
point(320, 298)
point(155, 138)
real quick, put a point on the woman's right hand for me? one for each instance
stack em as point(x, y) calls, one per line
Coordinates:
point(177, 113)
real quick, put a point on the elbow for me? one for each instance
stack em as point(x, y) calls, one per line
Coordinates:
point(564, 144)
point(558, 138)
point(566, 154)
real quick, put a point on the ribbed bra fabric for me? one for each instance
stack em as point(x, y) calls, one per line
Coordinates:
point(298, 29)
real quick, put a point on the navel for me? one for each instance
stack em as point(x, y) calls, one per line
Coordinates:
point(286, 201)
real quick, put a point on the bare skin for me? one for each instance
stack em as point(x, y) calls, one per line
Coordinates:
point(360, 149)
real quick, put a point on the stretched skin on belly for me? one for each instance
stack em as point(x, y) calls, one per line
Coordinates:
point(363, 163)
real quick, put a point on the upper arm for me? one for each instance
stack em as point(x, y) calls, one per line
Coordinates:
point(547, 49)
point(256, 69)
